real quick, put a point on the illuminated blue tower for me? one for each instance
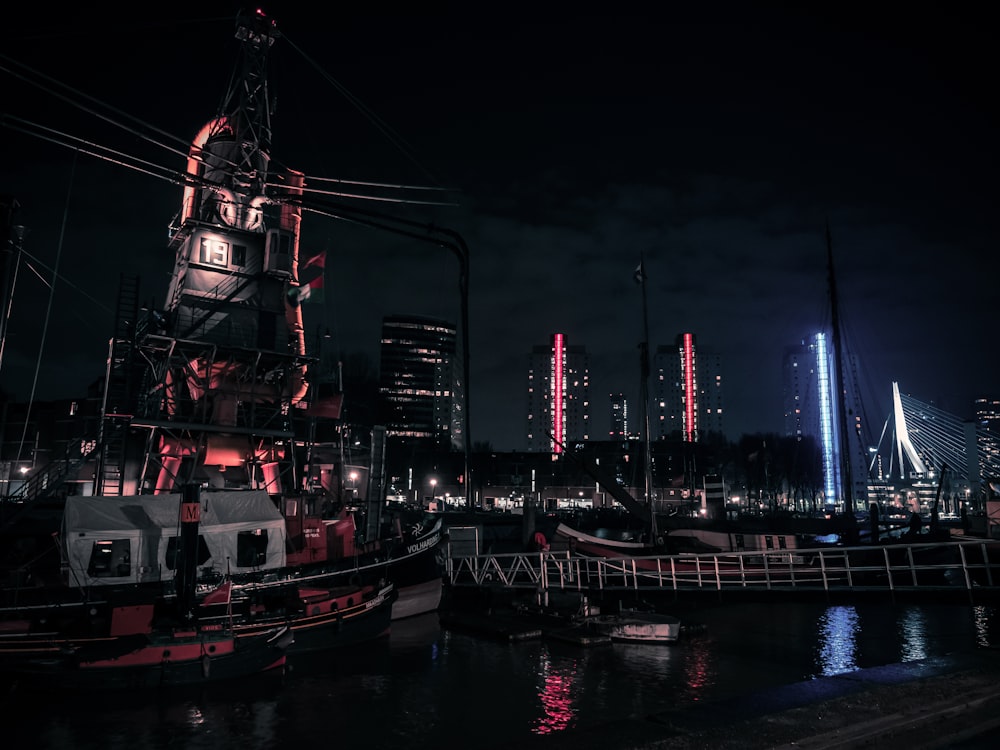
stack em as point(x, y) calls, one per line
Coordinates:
point(829, 437)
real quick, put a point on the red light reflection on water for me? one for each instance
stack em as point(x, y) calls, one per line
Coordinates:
point(698, 673)
point(557, 697)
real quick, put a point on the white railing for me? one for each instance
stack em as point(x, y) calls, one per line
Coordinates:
point(952, 566)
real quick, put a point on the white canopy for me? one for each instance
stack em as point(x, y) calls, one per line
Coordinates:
point(116, 540)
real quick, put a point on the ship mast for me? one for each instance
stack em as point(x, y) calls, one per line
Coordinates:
point(644, 398)
point(841, 402)
point(11, 245)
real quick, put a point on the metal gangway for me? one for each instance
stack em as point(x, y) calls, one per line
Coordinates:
point(967, 567)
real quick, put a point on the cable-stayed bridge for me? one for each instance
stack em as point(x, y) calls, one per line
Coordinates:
point(918, 440)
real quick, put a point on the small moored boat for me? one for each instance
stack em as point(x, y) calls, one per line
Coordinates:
point(637, 627)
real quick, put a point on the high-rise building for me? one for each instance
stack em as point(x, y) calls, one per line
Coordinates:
point(420, 384)
point(800, 390)
point(811, 407)
point(988, 413)
point(619, 417)
point(687, 391)
point(558, 395)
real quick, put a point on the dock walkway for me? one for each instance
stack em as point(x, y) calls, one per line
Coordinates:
point(967, 568)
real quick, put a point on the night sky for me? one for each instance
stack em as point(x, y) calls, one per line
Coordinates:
point(716, 145)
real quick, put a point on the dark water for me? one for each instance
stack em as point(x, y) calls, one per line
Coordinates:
point(425, 687)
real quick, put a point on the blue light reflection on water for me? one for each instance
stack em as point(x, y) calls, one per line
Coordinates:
point(423, 686)
point(837, 629)
point(912, 628)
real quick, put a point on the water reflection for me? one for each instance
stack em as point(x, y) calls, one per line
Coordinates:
point(556, 694)
point(698, 668)
point(837, 644)
point(983, 618)
point(913, 634)
point(424, 686)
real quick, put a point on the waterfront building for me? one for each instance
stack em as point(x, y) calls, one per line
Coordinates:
point(558, 395)
point(811, 408)
point(619, 417)
point(35, 435)
point(800, 390)
point(987, 410)
point(987, 427)
point(420, 385)
point(688, 391)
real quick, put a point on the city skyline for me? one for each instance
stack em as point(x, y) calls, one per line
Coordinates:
point(719, 148)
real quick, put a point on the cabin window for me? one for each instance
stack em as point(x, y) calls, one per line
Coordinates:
point(239, 255)
point(110, 559)
point(278, 253)
point(781, 543)
point(739, 542)
point(251, 548)
point(769, 542)
point(174, 552)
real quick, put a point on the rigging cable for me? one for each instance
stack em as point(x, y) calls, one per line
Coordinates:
point(166, 173)
point(18, 232)
point(30, 263)
point(357, 196)
point(48, 313)
point(391, 135)
point(183, 151)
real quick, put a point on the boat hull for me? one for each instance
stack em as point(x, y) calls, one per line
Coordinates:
point(413, 566)
point(137, 662)
point(418, 599)
point(319, 619)
point(719, 566)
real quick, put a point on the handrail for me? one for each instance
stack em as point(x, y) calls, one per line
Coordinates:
point(957, 566)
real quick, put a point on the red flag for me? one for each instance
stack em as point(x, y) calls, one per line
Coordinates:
point(312, 291)
point(318, 260)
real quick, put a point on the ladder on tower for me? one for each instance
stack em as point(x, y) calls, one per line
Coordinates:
point(376, 484)
point(52, 476)
point(119, 391)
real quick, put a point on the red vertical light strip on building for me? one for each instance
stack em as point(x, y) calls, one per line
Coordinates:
point(558, 373)
point(688, 388)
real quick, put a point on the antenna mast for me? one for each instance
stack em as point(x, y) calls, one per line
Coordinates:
point(644, 397)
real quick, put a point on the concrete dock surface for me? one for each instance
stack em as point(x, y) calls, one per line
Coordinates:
point(947, 702)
